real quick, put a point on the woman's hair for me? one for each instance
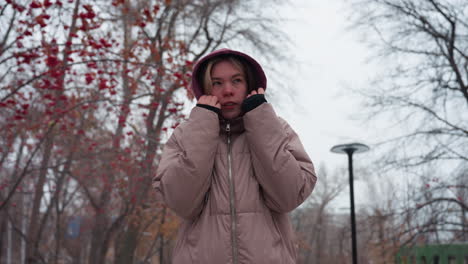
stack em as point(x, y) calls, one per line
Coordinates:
point(238, 62)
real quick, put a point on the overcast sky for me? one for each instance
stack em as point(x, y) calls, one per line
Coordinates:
point(331, 59)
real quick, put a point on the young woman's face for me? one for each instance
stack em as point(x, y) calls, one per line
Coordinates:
point(230, 86)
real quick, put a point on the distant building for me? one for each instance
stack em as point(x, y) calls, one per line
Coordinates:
point(434, 254)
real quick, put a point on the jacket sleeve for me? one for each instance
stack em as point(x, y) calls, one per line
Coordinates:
point(281, 165)
point(184, 173)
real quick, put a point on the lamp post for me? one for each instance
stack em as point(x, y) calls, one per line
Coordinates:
point(350, 149)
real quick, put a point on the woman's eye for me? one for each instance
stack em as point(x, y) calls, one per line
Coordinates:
point(237, 80)
point(215, 83)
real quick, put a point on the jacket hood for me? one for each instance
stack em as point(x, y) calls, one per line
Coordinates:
point(198, 69)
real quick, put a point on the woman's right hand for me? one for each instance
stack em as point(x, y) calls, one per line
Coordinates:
point(210, 100)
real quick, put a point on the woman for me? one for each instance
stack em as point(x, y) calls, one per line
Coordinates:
point(234, 169)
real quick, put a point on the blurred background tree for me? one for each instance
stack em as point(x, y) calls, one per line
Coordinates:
point(417, 180)
point(90, 91)
point(422, 90)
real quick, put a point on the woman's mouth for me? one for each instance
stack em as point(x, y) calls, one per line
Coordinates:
point(229, 106)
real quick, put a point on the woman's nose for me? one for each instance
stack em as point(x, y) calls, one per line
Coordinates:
point(228, 90)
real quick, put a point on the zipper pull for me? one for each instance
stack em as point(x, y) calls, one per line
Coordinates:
point(228, 128)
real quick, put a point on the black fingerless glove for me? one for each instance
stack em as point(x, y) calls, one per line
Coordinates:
point(253, 102)
point(210, 107)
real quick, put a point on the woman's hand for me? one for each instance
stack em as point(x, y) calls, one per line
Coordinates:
point(210, 100)
point(259, 91)
point(253, 100)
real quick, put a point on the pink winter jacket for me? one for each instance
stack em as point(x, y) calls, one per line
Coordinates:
point(233, 184)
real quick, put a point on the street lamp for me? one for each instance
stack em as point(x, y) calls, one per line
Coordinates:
point(349, 149)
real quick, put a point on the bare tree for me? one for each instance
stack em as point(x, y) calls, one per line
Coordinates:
point(425, 86)
point(423, 92)
point(86, 110)
point(315, 223)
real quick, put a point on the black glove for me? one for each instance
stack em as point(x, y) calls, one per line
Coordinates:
point(253, 102)
point(210, 107)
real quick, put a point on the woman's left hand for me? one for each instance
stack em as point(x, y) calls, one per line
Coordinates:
point(259, 91)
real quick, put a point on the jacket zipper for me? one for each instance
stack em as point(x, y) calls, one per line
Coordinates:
point(232, 198)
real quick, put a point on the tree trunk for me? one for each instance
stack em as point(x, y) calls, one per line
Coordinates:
point(32, 254)
point(98, 250)
point(125, 250)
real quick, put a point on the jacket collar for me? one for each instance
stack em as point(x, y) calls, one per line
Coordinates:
point(236, 125)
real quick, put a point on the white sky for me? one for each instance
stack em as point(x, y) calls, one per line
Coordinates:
point(331, 59)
